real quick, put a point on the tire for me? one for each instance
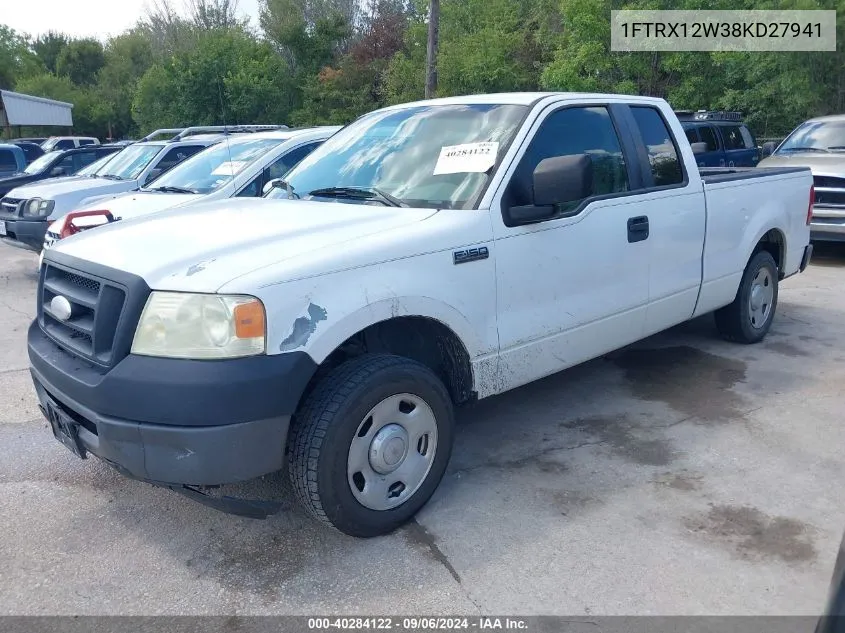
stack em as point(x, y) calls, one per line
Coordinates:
point(331, 447)
point(740, 321)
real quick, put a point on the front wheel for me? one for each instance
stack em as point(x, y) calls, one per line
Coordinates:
point(370, 444)
point(749, 317)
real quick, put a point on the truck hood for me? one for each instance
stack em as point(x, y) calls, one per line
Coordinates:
point(138, 203)
point(824, 164)
point(51, 189)
point(202, 247)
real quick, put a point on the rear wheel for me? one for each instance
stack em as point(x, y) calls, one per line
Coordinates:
point(749, 317)
point(370, 444)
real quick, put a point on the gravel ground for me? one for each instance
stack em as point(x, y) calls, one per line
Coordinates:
point(682, 475)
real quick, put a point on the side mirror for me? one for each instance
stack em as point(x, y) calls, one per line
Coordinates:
point(556, 180)
point(768, 148)
point(58, 171)
point(698, 148)
point(272, 184)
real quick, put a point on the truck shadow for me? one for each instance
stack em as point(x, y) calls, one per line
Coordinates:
point(543, 450)
point(828, 254)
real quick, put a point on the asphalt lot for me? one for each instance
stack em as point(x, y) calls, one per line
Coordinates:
point(683, 475)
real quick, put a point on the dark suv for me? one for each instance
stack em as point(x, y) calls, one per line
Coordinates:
point(727, 141)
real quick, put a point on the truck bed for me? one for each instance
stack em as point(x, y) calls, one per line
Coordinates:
point(742, 205)
point(711, 175)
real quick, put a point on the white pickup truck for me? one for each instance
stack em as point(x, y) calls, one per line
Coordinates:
point(439, 251)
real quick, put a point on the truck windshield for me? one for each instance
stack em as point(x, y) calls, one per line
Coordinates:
point(41, 163)
point(818, 136)
point(130, 162)
point(214, 167)
point(436, 156)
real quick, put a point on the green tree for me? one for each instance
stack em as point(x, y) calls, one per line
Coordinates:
point(80, 61)
point(485, 46)
point(48, 86)
point(228, 78)
point(16, 60)
point(127, 58)
point(48, 47)
point(152, 104)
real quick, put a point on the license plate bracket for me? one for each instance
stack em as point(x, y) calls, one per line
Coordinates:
point(65, 429)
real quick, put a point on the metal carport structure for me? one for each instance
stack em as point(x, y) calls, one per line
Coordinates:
point(18, 109)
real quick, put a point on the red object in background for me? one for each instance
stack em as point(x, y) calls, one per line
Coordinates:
point(69, 228)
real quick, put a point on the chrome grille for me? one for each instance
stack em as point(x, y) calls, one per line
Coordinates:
point(830, 191)
point(96, 305)
point(9, 206)
point(829, 181)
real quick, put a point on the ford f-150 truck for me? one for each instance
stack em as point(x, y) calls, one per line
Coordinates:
point(427, 255)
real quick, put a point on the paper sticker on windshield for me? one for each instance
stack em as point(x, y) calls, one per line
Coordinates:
point(229, 168)
point(466, 158)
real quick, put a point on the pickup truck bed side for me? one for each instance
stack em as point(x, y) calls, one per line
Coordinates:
point(738, 217)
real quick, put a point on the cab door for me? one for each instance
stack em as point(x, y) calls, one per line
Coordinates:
point(576, 285)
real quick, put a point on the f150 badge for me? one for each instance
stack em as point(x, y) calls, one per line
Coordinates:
point(470, 255)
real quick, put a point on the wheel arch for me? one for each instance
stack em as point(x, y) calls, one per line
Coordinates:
point(774, 242)
point(442, 341)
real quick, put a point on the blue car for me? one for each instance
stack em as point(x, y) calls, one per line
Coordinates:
point(724, 140)
point(12, 160)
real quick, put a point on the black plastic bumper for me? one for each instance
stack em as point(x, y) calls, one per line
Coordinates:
point(805, 259)
point(27, 233)
point(176, 421)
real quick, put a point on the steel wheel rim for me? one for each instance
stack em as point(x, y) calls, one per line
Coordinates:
point(760, 298)
point(392, 452)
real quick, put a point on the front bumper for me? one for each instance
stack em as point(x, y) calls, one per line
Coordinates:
point(175, 421)
point(28, 234)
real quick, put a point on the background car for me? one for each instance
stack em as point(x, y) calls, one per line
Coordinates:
point(820, 145)
point(238, 167)
point(68, 142)
point(12, 160)
point(53, 164)
point(30, 150)
point(27, 211)
point(729, 142)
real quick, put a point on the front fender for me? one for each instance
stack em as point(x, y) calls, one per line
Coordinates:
point(319, 327)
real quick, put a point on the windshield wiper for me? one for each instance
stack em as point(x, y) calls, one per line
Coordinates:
point(838, 148)
point(359, 193)
point(172, 190)
point(805, 149)
point(111, 177)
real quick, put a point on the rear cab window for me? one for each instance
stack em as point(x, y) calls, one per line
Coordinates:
point(663, 156)
point(733, 137)
point(176, 155)
point(8, 162)
point(708, 135)
point(81, 159)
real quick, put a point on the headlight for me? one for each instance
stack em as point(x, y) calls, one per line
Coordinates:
point(200, 326)
point(38, 207)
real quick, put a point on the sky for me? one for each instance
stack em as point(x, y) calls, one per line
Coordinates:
point(86, 18)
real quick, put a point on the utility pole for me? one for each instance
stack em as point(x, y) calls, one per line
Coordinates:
point(431, 53)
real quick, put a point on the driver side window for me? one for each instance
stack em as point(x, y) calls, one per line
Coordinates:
point(567, 132)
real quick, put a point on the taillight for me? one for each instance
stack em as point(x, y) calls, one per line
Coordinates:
point(810, 206)
point(69, 227)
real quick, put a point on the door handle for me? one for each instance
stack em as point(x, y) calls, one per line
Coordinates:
point(637, 229)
